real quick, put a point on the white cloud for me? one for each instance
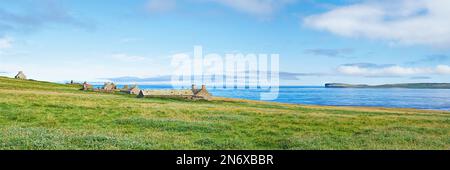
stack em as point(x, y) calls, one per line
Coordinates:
point(262, 8)
point(30, 16)
point(129, 40)
point(80, 71)
point(161, 6)
point(389, 71)
point(127, 58)
point(424, 22)
point(443, 69)
point(6, 43)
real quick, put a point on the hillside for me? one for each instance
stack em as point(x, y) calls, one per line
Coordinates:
point(42, 115)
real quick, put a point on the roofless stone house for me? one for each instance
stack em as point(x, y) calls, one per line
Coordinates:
point(130, 90)
point(21, 76)
point(87, 86)
point(193, 94)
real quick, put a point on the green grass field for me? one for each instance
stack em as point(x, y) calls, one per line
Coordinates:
point(41, 115)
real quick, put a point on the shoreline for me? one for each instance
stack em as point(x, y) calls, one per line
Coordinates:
point(291, 103)
point(299, 104)
point(328, 106)
point(63, 116)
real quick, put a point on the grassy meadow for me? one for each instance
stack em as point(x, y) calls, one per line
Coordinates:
point(42, 115)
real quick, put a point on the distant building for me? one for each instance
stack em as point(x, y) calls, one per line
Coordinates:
point(87, 86)
point(202, 93)
point(73, 83)
point(132, 90)
point(109, 87)
point(193, 94)
point(21, 76)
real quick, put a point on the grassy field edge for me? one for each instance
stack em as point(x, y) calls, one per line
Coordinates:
point(44, 115)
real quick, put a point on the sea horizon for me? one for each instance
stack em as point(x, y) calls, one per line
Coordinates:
point(424, 99)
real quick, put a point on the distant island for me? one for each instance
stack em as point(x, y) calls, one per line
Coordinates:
point(404, 85)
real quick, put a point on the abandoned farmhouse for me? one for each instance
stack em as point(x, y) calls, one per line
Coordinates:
point(192, 94)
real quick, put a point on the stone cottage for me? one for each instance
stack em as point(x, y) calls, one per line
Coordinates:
point(87, 86)
point(109, 86)
point(201, 93)
point(21, 76)
point(193, 94)
point(132, 90)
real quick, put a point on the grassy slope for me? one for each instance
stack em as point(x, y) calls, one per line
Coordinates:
point(39, 115)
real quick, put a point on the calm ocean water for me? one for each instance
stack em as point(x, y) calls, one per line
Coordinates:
point(436, 99)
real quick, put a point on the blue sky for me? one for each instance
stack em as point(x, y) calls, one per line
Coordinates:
point(349, 41)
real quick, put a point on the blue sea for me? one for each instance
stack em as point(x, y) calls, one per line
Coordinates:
point(433, 99)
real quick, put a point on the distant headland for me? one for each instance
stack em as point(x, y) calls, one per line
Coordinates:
point(404, 85)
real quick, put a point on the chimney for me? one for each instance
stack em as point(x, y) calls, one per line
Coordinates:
point(203, 87)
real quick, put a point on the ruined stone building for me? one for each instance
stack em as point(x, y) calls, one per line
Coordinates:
point(21, 76)
point(193, 94)
point(87, 86)
point(202, 93)
point(132, 90)
point(109, 86)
